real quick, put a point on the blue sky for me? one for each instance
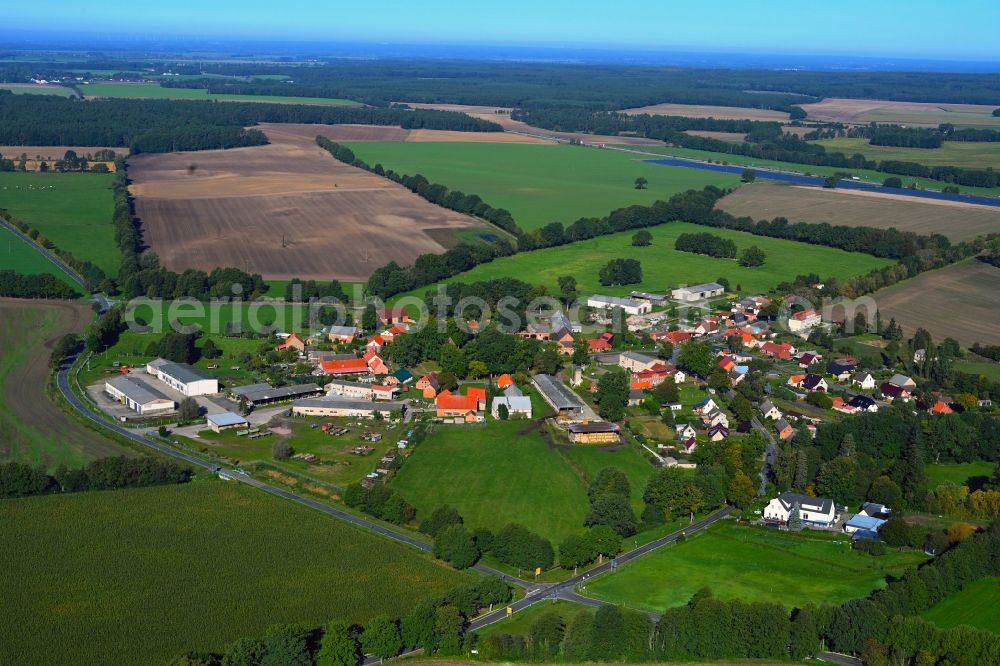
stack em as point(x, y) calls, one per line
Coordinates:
point(960, 29)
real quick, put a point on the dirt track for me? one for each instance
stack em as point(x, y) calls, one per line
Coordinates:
point(284, 210)
point(24, 388)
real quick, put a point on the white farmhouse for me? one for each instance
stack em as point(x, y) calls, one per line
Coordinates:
point(813, 511)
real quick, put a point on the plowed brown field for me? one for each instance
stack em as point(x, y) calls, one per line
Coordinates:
point(283, 210)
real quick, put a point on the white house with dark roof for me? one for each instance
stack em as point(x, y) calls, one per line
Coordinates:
point(813, 511)
point(769, 411)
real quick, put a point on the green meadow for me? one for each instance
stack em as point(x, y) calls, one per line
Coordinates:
point(17, 255)
point(664, 267)
point(540, 183)
point(969, 154)
point(978, 605)
point(957, 473)
point(753, 564)
point(140, 576)
point(73, 210)
point(155, 91)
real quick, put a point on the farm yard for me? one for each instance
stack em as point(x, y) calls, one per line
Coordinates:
point(663, 266)
point(155, 91)
point(766, 200)
point(32, 428)
point(539, 184)
point(958, 301)
point(931, 114)
point(753, 564)
point(72, 209)
point(296, 210)
point(968, 154)
point(217, 555)
point(978, 605)
point(707, 111)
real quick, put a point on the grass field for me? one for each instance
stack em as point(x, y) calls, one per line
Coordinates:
point(539, 184)
point(769, 199)
point(864, 174)
point(504, 472)
point(987, 369)
point(160, 571)
point(17, 255)
point(36, 89)
point(32, 428)
point(972, 155)
point(978, 605)
point(664, 267)
point(154, 91)
point(931, 114)
point(959, 301)
point(519, 624)
point(72, 209)
point(957, 473)
point(753, 564)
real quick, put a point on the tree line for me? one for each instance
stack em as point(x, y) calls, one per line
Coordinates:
point(22, 480)
point(706, 243)
point(160, 125)
point(41, 285)
point(438, 625)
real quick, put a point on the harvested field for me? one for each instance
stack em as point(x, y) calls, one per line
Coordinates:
point(720, 136)
point(32, 428)
point(343, 133)
point(959, 301)
point(957, 220)
point(473, 137)
point(706, 111)
point(505, 121)
point(295, 210)
point(842, 110)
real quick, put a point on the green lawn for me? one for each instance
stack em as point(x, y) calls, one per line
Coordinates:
point(35, 89)
point(539, 184)
point(978, 605)
point(754, 564)
point(520, 623)
point(154, 91)
point(969, 154)
point(864, 174)
point(17, 255)
point(214, 317)
point(987, 369)
point(72, 209)
point(664, 267)
point(957, 473)
point(143, 575)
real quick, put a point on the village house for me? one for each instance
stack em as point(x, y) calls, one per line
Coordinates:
point(400, 377)
point(804, 321)
point(814, 383)
point(517, 406)
point(469, 407)
point(841, 369)
point(635, 361)
point(718, 432)
point(813, 511)
point(342, 334)
point(806, 359)
point(673, 337)
point(697, 292)
point(795, 381)
point(781, 351)
point(706, 406)
point(769, 411)
point(504, 380)
point(685, 431)
point(390, 316)
point(601, 344)
point(940, 408)
point(428, 385)
point(345, 366)
point(864, 380)
point(716, 417)
point(863, 403)
point(784, 429)
point(903, 382)
point(293, 341)
point(630, 306)
point(890, 392)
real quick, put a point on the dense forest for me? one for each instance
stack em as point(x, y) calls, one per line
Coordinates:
point(537, 84)
point(152, 125)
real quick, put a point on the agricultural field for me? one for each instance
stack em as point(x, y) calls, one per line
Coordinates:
point(753, 564)
point(223, 572)
point(72, 209)
point(708, 111)
point(37, 89)
point(766, 200)
point(866, 175)
point(296, 210)
point(978, 605)
point(664, 267)
point(507, 471)
point(155, 91)
point(988, 369)
point(972, 474)
point(930, 114)
point(17, 255)
point(968, 154)
point(958, 301)
point(32, 428)
point(539, 184)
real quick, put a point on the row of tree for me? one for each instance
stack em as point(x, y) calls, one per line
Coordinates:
point(22, 480)
point(42, 285)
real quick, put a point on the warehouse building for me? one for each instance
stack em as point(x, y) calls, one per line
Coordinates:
point(183, 377)
point(265, 394)
point(137, 396)
point(340, 407)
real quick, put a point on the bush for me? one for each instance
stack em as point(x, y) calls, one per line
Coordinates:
point(281, 450)
point(870, 546)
